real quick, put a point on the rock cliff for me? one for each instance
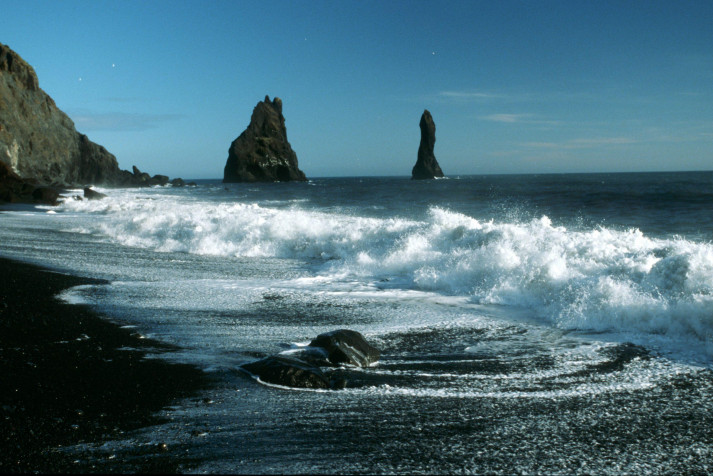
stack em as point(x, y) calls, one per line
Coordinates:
point(39, 141)
point(39, 144)
point(426, 165)
point(262, 153)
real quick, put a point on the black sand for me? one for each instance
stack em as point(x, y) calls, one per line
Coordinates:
point(63, 379)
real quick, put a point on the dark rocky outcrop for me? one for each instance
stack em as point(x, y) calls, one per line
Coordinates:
point(426, 165)
point(179, 182)
point(137, 178)
point(38, 142)
point(14, 189)
point(47, 195)
point(90, 194)
point(345, 346)
point(142, 179)
point(303, 368)
point(262, 153)
point(288, 372)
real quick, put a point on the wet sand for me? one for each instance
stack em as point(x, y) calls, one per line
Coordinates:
point(66, 376)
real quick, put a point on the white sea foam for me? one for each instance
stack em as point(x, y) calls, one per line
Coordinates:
point(600, 279)
point(635, 384)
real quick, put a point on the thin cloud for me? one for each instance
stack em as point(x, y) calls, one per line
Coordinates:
point(581, 143)
point(518, 118)
point(604, 141)
point(127, 99)
point(543, 145)
point(119, 121)
point(517, 96)
point(510, 118)
point(469, 95)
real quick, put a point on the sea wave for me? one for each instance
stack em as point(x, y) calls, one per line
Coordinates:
point(599, 279)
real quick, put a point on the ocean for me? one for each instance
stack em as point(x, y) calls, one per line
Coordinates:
point(550, 324)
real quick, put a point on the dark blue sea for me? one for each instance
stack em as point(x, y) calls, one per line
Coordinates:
point(550, 324)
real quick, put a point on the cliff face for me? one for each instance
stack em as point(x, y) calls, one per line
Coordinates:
point(262, 153)
point(426, 165)
point(39, 141)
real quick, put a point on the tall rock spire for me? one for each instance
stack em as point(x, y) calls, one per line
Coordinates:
point(426, 165)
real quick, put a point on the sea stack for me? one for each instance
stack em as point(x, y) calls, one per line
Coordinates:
point(426, 165)
point(262, 153)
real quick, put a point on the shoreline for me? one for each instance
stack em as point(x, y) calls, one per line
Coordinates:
point(67, 378)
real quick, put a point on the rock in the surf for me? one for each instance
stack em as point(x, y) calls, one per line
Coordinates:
point(345, 346)
point(303, 368)
point(262, 153)
point(426, 165)
point(90, 194)
point(289, 372)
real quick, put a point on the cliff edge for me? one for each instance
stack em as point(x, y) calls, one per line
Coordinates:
point(39, 144)
point(39, 141)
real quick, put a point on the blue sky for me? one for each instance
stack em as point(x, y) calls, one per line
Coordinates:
point(513, 86)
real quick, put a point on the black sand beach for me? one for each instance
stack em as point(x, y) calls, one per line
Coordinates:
point(69, 376)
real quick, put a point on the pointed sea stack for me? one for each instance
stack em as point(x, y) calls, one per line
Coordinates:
point(261, 153)
point(426, 165)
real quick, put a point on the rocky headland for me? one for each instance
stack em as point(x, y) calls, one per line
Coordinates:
point(426, 165)
point(40, 148)
point(262, 153)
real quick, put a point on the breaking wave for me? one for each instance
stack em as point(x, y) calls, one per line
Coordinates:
point(599, 279)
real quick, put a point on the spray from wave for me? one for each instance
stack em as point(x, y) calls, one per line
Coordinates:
point(600, 279)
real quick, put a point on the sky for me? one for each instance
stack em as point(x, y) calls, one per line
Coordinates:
point(533, 86)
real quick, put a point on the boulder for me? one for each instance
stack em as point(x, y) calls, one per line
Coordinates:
point(302, 368)
point(345, 346)
point(289, 372)
point(90, 194)
point(160, 179)
point(262, 153)
point(426, 164)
